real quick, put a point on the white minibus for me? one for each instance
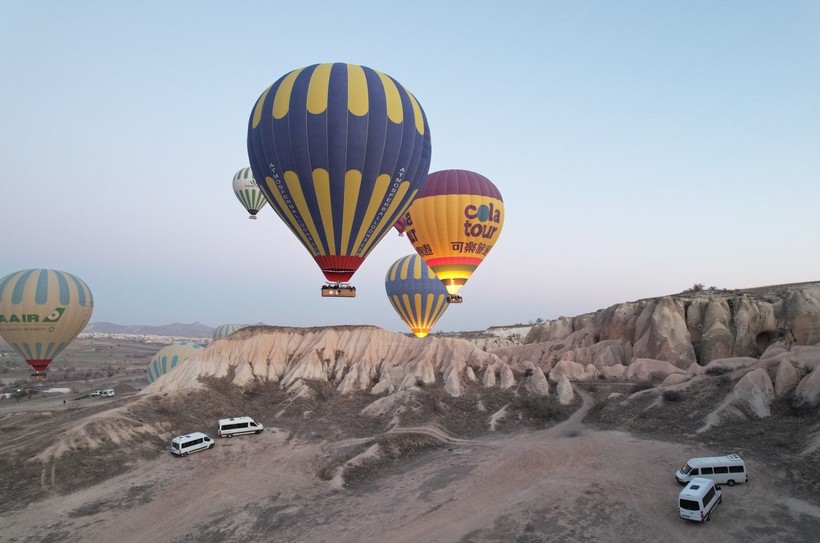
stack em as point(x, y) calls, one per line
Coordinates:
point(237, 426)
point(729, 469)
point(697, 500)
point(184, 445)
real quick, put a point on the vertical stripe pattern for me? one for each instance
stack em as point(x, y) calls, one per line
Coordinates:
point(225, 330)
point(415, 293)
point(340, 151)
point(42, 311)
point(248, 192)
point(169, 357)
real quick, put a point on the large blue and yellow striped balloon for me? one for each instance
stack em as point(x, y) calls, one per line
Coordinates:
point(41, 312)
point(415, 293)
point(170, 357)
point(340, 151)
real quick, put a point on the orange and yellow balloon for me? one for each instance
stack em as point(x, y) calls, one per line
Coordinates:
point(453, 224)
point(415, 293)
point(41, 312)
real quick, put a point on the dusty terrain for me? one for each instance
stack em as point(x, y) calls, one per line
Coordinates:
point(432, 470)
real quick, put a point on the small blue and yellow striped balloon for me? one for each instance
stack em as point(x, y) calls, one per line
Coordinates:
point(415, 293)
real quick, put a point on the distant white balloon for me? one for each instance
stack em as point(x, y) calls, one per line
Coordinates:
point(248, 192)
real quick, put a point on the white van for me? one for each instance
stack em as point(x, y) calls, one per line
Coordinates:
point(698, 499)
point(184, 445)
point(237, 426)
point(727, 470)
point(107, 393)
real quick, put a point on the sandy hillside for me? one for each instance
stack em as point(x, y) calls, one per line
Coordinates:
point(314, 475)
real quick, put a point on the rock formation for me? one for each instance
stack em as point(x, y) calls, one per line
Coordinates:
point(351, 357)
point(667, 340)
point(699, 326)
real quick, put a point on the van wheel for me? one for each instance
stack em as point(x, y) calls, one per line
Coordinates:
point(730, 482)
point(184, 454)
point(211, 446)
point(257, 432)
point(708, 517)
point(230, 436)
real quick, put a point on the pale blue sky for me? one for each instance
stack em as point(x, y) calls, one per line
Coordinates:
point(640, 147)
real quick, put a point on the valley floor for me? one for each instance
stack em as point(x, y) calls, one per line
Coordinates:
point(570, 482)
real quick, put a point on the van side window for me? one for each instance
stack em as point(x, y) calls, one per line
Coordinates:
point(721, 469)
point(709, 495)
point(735, 469)
point(706, 471)
point(694, 471)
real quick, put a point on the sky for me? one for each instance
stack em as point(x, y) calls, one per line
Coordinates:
point(640, 148)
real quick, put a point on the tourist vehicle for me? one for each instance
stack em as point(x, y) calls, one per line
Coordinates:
point(196, 441)
point(698, 499)
point(727, 470)
point(237, 426)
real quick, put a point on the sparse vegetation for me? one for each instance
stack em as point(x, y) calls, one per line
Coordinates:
point(672, 395)
point(718, 370)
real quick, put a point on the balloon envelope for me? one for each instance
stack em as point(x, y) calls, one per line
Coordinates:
point(247, 192)
point(170, 357)
point(340, 151)
point(225, 330)
point(454, 222)
point(415, 293)
point(42, 311)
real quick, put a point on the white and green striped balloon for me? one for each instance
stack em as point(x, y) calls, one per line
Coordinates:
point(248, 192)
point(170, 357)
point(225, 330)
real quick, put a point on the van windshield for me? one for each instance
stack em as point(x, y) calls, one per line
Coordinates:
point(686, 469)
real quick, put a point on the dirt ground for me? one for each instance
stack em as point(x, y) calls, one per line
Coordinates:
point(427, 470)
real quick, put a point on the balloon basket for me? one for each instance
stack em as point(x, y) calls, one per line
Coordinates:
point(454, 299)
point(338, 290)
point(252, 217)
point(38, 376)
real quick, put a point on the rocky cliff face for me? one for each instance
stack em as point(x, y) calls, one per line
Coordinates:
point(696, 327)
point(352, 358)
point(671, 341)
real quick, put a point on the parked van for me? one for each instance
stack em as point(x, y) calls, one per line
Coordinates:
point(698, 499)
point(238, 426)
point(727, 470)
point(184, 445)
point(107, 393)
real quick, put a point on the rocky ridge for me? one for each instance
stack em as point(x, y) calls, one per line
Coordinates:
point(768, 343)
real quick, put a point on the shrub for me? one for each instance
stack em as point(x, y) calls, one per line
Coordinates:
point(672, 395)
point(717, 370)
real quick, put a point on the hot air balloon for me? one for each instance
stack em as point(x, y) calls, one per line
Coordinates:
point(340, 151)
point(225, 330)
point(248, 193)
point(41, 312)
point(170, 357)
point(416, 293)
point(453, 224)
